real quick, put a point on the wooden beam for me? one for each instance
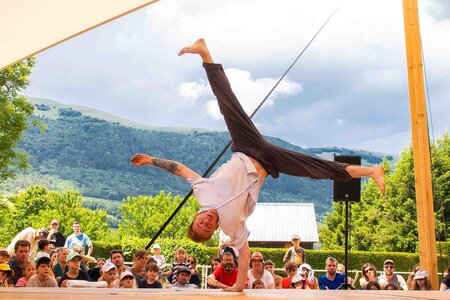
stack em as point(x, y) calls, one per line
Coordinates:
point(421, 146)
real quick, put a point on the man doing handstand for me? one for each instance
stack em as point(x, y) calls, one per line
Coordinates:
point(230, 195)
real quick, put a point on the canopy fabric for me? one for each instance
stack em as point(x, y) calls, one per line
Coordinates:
point(32, 26)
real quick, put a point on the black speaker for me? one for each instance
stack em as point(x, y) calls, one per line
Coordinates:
point(347, 190)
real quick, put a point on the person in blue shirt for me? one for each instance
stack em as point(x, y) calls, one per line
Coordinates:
point(331, 280)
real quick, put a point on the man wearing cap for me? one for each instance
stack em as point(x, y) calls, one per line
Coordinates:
point(389, 277)
point(55, 237)
point(257, 271)
point(117, 258)
point(77, 238)
point(226, 275)
point(184, 275)
point(31, 235)
point(17, 263)
point(43, 277)
point(74, 273)
point(295, 253)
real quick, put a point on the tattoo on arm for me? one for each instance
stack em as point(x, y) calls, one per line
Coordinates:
point(167, 165)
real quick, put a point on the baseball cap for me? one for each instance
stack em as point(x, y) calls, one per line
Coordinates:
point(7, 269)
point(72, 255)
point(125, 274)
point(4, 252)
point(184, 269)
point(42, 258)
point(108, 266)
point(256, 255)
point(295, 236)
point(44, 231)
point(388, 261)
point(54, 221)
point(420, 274)
point(156, 246)
point(297, 278)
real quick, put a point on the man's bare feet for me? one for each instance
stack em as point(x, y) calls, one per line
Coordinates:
point(199, 47)
point(378, 176)
point(376, 173)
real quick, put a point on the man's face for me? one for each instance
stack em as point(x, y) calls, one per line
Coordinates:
point(389, 269)
point(228, 263)
point(55, 226)
point(43, 269)
point(76, 228)
point(117, 259)
point(257, 264)
point(331, 267)
point(22, 253)
point(183, 277)
point(74, 263)
point(206, 223)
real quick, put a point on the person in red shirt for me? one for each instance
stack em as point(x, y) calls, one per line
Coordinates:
point(226, 275)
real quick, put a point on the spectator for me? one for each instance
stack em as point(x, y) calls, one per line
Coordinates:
point(44, 246)
point(53, 258)
point(270, 267)
point(215, 263)
point(295, 253)
point(290, 268)
point(225, 275)
point(410, 283)
point(61, 267)
point(341, 270)
point(74, 273)
point(160, 260)
point(55, 237)
point(32, 236)
point(151, 282)
point(298, 282)
point(117, 258)
point(258, 285)
point(423, 283)
point(5, 274)
point(4, 256)
point(257, 271)
point(29, 270)
point(180, 260)
point(17, 263)
point(445, 284)
point(94, 273)
point(184, 274)
point(77, 238)
point(44, 254)
point(195, 278)
point(226, 245)
point(308, 274)
point(109, 274)
point(331, 280)
point(127, 280)
point(373, 285)
point(390, 277)
point(43, 277)
point(369, 273)
point(391, 286)
point(139, 262)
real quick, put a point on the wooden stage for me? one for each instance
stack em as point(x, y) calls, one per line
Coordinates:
point(158, 294)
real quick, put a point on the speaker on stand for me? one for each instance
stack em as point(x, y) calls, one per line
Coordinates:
point(347, 191)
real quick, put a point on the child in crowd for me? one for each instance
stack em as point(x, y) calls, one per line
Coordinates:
point(215, 263)
point(4, 255)
point(373, 285)
point(180, 260)
point(29, 269)
point(42, 277)
point(258, 285)
point(160, 260)
point(109, 274)
point(151, 282)
point(74, 273)
point(44, 246)
point(291, 269)
point(126, 280)
point(270, 267)
point(308, 274)
point(295, 253)
point(298, 282)
point(423, 283)
point(5, 273)
point(195, 278)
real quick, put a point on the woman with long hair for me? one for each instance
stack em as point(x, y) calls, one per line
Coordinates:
point(369, 273)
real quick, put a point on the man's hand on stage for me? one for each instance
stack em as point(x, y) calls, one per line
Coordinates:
point(141, 159)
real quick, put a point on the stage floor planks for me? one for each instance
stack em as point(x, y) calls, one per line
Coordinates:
point(155, 294)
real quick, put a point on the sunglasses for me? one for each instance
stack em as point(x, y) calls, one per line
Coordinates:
point(367, 270)
point(289, 271)
point(388, 267)
point(191, 261)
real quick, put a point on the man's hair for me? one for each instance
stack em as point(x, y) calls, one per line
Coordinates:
point(269, 263)
point(331, 259)
point(258, 281)
point(22, 243)
point(114, 252)
point(195, 237)
point(43, 243)
point(152, 267)
point(226, 254)
point(290, 265)
point(140, 253)
point(75, 223)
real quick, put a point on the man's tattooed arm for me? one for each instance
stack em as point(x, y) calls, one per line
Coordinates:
point(168, 165)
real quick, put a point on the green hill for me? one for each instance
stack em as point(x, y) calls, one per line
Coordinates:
point(90, 151)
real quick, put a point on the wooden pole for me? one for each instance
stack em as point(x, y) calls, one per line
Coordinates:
point(421, 146)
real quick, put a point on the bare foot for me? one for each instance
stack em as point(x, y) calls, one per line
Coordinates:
point(377, 175)
point(199, 47)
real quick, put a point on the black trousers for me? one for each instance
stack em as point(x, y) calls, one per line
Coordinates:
point(247, 139)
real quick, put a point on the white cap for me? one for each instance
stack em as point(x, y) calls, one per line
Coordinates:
point(156, 246)
point(108, 266)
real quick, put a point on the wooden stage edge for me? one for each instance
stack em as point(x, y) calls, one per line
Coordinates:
point(156, 294)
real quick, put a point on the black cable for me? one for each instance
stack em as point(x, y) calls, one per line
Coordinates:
point(229, 143)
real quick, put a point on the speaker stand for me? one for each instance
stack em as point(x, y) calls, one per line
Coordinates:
point(346, 285)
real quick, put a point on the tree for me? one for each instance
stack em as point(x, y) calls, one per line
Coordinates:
point(390, 223)
point(14, 113)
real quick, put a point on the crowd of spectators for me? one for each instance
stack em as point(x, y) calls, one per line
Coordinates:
point(68, 266)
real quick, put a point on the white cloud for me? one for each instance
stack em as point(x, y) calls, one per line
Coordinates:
point(341, 122)
point(193, 90)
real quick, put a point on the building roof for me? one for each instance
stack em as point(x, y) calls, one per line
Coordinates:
point(278, 222)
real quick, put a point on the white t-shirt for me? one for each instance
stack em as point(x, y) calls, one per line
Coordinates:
point(233, 191)
point(267, 278)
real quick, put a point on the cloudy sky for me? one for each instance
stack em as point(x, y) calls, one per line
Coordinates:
point(349, 89)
